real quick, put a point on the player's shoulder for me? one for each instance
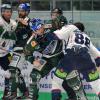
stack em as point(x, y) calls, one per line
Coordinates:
point(66, 28)
point(86, 35)
point(70, 27)
point(1, 21)
point(0, 18)
point(13, 22)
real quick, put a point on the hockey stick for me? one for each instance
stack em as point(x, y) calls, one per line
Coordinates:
point(9, 51)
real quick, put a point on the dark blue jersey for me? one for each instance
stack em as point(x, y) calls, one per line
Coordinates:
point(23, 32)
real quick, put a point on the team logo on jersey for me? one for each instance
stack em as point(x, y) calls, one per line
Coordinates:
point(33, 43)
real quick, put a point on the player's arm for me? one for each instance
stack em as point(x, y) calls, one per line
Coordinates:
point(65, 32)
point(62, 33)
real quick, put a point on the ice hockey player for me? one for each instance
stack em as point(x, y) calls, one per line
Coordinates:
point(23, 32)
point(78, 51)
point(7, 41)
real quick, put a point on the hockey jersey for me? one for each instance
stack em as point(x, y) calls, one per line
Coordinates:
point(72, 36)
point(7, 36)
point(23, 32)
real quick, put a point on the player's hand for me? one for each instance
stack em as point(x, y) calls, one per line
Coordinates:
point(21, 20)
point(36, 62)
point(33, 34)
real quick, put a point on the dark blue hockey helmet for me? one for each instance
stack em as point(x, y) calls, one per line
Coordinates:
point(29, 7)
point(24, 6)
point(36, 24)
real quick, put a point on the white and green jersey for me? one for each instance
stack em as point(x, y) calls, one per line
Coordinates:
point(7, 35)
